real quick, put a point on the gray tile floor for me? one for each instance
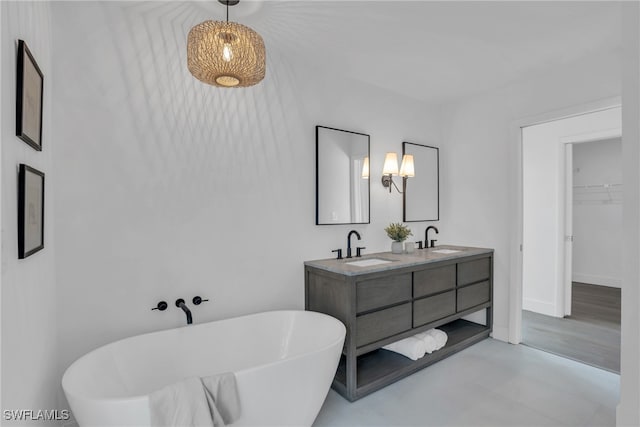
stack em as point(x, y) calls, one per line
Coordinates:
point(489, 384)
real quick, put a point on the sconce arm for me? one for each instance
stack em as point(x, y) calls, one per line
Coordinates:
point(387, 180)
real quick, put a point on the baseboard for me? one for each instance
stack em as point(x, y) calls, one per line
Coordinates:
point(612, 282)
point(541, 307)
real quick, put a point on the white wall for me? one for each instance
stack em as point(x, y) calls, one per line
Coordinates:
point(597, 213)
point(170, 188)
point(628, 413)
point(29, 326)
point(543, 155)
point(479, 166)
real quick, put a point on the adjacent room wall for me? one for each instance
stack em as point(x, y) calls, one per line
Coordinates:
point(597, 213)
point(479, 185)
point(29, 320)
point(169, 188)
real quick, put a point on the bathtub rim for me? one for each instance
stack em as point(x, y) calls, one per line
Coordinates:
point(142, 397)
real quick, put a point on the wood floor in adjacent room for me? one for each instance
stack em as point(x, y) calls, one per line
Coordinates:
point(590, 335)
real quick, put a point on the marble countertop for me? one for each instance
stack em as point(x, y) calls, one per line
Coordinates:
point(394, 261)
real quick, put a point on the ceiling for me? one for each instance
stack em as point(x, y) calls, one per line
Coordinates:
point(429, 50)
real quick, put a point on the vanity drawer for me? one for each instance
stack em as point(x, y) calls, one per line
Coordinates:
point(473, 295)
point(428, 309)
point(382, 324)
point(474, 271)
point(381, 292)
point(432, 280)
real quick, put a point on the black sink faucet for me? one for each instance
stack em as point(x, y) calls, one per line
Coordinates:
point(426, 237)
point(349, 241)
point(181, 304)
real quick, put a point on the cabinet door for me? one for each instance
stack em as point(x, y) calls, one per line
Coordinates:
point(473, 295)
point(382, 324)
point(474, 271)
point(429, 309)
point(434, 280)
point(382, 292)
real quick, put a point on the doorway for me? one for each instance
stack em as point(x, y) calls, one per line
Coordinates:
point(571, 190)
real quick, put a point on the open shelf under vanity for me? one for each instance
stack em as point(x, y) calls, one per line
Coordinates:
point(380, 367)
point(380, 306)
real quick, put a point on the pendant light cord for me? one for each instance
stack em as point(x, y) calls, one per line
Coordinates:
point(227, 11)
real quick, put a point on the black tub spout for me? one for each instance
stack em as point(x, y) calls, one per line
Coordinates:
point(181, 304)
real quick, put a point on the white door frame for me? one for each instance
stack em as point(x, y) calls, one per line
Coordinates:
point(516, 225)
point(568, 227)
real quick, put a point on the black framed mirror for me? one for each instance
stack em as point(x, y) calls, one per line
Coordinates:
point(421, 198)
point(342, 177)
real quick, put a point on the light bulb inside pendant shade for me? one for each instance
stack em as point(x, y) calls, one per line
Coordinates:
point(226, 54)
point(407, 168)
point(365, 168)
point(390, 164)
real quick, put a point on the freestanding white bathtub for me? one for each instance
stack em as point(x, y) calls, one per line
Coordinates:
point(284, 362)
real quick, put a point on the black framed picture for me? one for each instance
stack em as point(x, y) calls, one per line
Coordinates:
point(29, 95)
point(30, 211)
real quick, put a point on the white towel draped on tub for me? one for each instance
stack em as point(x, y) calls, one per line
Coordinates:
point(411, 347)
point(194, 402)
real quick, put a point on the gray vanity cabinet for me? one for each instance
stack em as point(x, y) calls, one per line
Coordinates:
point(383, 304)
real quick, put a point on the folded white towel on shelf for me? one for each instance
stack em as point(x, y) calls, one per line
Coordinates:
point(411, 347)
point(434, 339)
point(430, 343)
point(440, 337)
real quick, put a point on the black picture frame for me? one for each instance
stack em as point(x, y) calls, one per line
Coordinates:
point(29, 98)
point(30, 211)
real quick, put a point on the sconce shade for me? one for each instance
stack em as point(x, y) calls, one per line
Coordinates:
point(226, 54)
point(390, 164)
point(365, 168)
point(407, 169)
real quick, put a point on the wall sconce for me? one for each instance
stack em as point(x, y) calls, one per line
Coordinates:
point(390, 169)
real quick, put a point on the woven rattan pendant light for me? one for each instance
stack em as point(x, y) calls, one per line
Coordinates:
point(226, 54)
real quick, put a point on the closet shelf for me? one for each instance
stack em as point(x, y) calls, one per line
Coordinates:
point(610, 187)
point(597, 194)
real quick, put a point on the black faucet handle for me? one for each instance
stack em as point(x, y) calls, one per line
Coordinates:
point(198, 300)
point(433, 242)
point(162, 306)
point(419, 242)
point(339, 251)
point(358, 251)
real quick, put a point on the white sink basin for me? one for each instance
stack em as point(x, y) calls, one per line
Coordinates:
point(445, 251)
point(368, 262)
